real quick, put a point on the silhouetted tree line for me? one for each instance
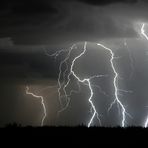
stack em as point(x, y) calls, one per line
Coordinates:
point(18, 125)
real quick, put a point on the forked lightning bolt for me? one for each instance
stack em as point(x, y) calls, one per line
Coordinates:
point(87, 81)
point(62, 75)
point(66, 79)
point(66, 71)
point(143, 33)
point(42, 102)
point(115, 81)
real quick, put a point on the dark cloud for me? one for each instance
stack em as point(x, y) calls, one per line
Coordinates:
point(107, 2)
point(29, 6)
point(28, 65)
point(88, 22)
point(6, 42)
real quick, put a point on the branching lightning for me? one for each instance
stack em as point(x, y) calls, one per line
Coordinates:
point(115, 81)
point(144, 34)
point(66, 71)
point(143, 31)
point(42, 102)
point(86, 80)
point(63, 73)
point(67, 80)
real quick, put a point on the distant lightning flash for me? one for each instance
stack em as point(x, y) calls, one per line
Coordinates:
point(62, 74)
point(42, 102)
point(115, 81)
point(143, 33)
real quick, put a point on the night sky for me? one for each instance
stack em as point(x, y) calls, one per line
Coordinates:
point(31, 30)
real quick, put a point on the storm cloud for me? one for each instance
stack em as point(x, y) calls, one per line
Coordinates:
point(66, 22)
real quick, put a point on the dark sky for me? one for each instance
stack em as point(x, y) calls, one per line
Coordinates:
point(28, 28)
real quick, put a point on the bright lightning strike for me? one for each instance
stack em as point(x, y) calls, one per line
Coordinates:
point(115, 81)
point(86, 80)
point(67, 80)
point(143, 33)
point(146, 123)
point(42, 102)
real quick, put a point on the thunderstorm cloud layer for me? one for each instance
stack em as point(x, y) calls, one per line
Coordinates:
point(35, 37)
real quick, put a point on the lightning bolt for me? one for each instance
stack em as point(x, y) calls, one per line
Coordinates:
point(146, 123)
point(62, 74)
point(88, 82)
point(143, 31)
point(116, 92)
point(42, 103)
point(144, 34)
point(67, 80)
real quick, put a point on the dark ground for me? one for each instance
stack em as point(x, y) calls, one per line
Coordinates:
point(75, 135)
